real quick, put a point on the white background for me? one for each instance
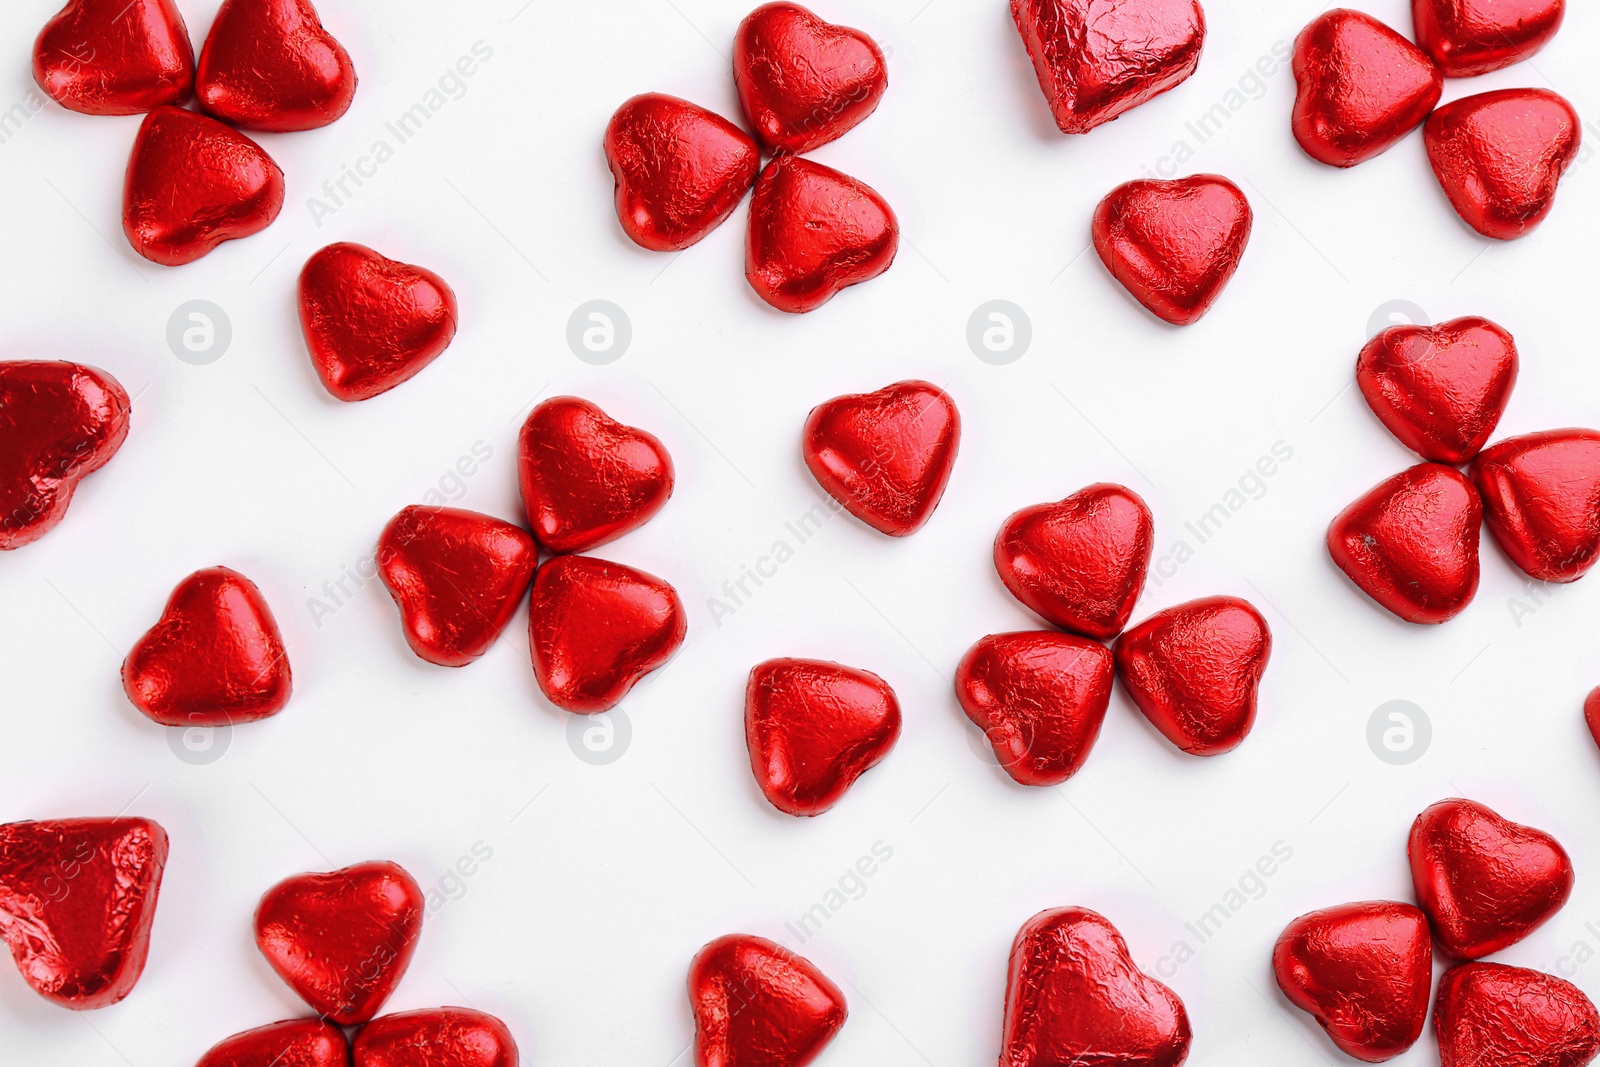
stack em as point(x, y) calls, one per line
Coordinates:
point(605, 880)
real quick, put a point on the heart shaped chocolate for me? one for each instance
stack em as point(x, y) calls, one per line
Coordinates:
point(115, 57)
point(441, 1037)
point(1541, 495)
point(804, 82)
point(296, 1043)
point(1490, 1015)
point(269, 65)
point(756, 1004)
point(1467, 37)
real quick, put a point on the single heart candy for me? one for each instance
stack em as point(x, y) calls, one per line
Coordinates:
point(1591, 713)
point(269, 65)
point(1174, 245)
point(440, 1037)
point(77, 900)
point(1541, 494)
point(215, 658)
point(1491, 1015)
point(115, 57)
point(1468, 37)
point(804, 82)
point(58, 423)
point(756, 1004)
point(886, 456)
point(296, 1043)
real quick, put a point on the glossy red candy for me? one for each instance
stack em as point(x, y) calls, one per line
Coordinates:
point(441, 1037)
point(1080, 563)
point(1491, 1015)
point(813, 728)
point(370, 322)
point(215, 658)
point(1361, 87)
point(596, 628)
point(457, 577)
point(296, 1043)
point(1074, 996)
point(1194, 670)
point(1411, 543)
point(1541, 495)
point(342, 940)
point(1440, 389)
point(1591, 713)
point(586, 478)
point(1097, 60)
point(1499, 157)
point(1476, 36)
point(192, 184)
point(1039, 698)
point(58, 423)
point(756, 1004)
point(1174, 245)
point(813, 232)
point(680, 170)
point(1485, 882)
point(115, 57)
point(886, 456)
point(1363, 971)
point(804, 82)
point(269, 65)
point(77, 900)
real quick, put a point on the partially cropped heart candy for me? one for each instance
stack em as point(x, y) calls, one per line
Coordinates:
point(1039, 698)
point(1541, 495)
point(1195, 670)
point(1097, 60)
point(457, 577)
point(1174, 245)
point(1361, 87)
point(813, 232)
point(804, 82)
point(77, 900)
point(215, 658)
point(1491, 1015)
point(194, 183)
point(371, 322)
point(1411, 543)
point(269, 65)
point(1591, 713)
point(756, 1004)
point(296, 1043)
point(1075, 996)
point(1440, 389)
point(115, 57)
point(886, 456)
point(1499, 157)
point(1080, 563)
point(680, 170)
point(440, 1037)
point(1363, 971)
point(342, 940)
point(596, 628)
point(1485, 882)
point(1468, 37)
point(813, 728)
point(58, 423)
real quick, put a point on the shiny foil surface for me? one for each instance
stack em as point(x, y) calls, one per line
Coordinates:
point(440, 1037)
point(58, 422)
point(1468, 37)
point(1440, 389)
point(1411, 543)
point(1174, 245)
point(1541, 495)
point(1195, 670)
point(596, 628)
point(804, 82)
point(812, 728)
point(342, 940)
point(370, 322)
point(1361, 87)
point(1485, 882)
point(680, 170)
point(1039, 697)
point(1363, 971)
point(1490, 1015)
point(194, 183)
point(77, 901)
point(886, 456)
point(115, 57)
point(1079, 563)
point(457, 577)
point(587, 479)
point(269, 65)
point(756, 1004)
point(1075, 996)
point(215, 657)
point(296, 1043)
point(1097, 60)
point(813, 232)
point(1591, 713)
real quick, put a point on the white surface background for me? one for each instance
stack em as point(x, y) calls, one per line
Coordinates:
point(579, 930)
